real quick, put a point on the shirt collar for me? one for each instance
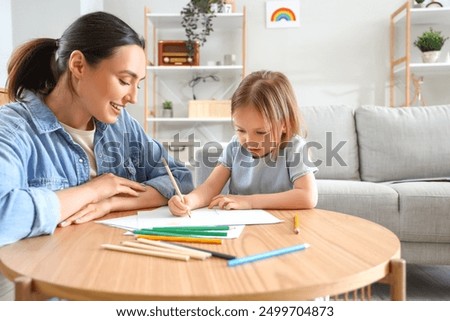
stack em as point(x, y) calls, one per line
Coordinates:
point(43, 117)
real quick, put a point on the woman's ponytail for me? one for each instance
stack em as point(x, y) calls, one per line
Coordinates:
point(32, 67)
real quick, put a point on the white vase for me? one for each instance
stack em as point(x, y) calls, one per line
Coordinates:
point(167, 113)
point(430, 56)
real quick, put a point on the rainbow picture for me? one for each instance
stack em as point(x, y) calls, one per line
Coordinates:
point(282, 14)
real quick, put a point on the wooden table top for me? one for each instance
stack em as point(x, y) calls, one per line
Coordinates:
point(346, 253)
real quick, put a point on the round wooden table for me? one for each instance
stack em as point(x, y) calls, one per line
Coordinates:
point(346, 253)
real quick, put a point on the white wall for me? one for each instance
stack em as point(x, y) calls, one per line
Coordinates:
point(339, 55)
point(6, 42)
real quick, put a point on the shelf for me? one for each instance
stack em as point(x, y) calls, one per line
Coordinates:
point(173, 20)
point(184, 70)
point(428, 16)
point(421, 69)
point(187, 120)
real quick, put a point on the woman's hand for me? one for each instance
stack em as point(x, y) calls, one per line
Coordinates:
point(231, 202)
point(88, 213)
point(108, 185)
point(177, 207)
point(94, 198)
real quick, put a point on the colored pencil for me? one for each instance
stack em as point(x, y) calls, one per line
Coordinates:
point(176, 250)
point(296, 224)
point(180, 239)
point(146, 252)
point(174, 182)
point(196, 228)
point(175, 247)
point(266, 255)
point(180, 232)
point(213, 253)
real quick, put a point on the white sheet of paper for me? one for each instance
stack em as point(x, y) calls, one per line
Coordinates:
point(161, 217)
point(204, 217)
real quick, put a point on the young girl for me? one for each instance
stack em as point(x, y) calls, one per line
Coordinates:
point(265, 160)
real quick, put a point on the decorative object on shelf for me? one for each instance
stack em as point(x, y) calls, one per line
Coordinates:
point(229, 59)
point(283, 14)
point(209, 109)
point(417, 99)
point(430, 43)
point(196, 80)
point(176, 53)
point(167, 109)
point(419, 3)
point(197, 18)
point(434, 4)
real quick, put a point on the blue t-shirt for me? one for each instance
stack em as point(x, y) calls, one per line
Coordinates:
point(268, 174)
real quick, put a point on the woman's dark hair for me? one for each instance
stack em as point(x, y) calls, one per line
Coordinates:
point(38, 64)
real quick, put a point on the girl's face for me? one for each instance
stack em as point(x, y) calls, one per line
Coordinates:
point(253, 132)
point(108, 87)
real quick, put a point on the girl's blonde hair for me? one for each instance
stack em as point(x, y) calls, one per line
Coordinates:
point(271, 93)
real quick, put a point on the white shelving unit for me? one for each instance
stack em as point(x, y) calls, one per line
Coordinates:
point(159, 77)
point(409, 18)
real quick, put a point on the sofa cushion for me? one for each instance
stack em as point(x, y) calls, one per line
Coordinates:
point(403, 143)
point(332, 139)
point(424, 211)
point(372, 201)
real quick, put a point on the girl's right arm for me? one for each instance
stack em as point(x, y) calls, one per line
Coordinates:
point(203, 194)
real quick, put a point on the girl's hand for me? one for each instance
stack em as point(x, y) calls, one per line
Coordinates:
point(231, 202)
point(177, 207)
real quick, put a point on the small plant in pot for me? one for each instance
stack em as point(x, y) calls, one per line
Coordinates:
point(167, 108)
point(430, 44)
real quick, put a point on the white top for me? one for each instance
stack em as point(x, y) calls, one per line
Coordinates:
point(266, 175)
point(85, 138)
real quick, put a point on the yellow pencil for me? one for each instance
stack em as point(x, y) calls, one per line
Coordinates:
point(174, 182)
point(180, 239)
point(296, 224)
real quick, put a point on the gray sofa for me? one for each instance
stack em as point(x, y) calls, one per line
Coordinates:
point(388, 165)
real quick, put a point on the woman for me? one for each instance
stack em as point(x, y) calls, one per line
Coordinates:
point(69, 151)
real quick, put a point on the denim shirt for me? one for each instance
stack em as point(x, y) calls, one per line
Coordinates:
point(38, 157)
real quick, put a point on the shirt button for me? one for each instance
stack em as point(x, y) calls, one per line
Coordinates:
point(80, 160)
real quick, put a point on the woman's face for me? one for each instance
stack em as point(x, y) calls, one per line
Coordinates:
point(106, 88)
point(254, 132)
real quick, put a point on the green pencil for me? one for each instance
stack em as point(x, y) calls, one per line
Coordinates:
point(191, 233)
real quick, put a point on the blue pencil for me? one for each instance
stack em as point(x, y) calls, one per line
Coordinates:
point(267, 255)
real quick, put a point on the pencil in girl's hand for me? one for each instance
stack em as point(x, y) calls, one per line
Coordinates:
point(296, 224)
point(174, 182)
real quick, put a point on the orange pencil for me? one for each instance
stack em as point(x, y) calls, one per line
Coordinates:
point(180, 239)
point(296, 224)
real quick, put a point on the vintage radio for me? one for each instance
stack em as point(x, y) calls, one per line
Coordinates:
point(176, 53)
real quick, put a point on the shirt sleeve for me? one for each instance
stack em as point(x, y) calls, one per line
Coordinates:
point(229, 153)
point(156, 175)
point(25, 211)
point(297, 159)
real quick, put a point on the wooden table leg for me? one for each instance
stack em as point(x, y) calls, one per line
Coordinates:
point(23, 288)
point(398, 279)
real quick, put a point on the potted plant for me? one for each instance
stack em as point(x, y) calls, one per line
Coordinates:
point(430, 44)
point(419, 3)
point(167, 108)
point(197, 17)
